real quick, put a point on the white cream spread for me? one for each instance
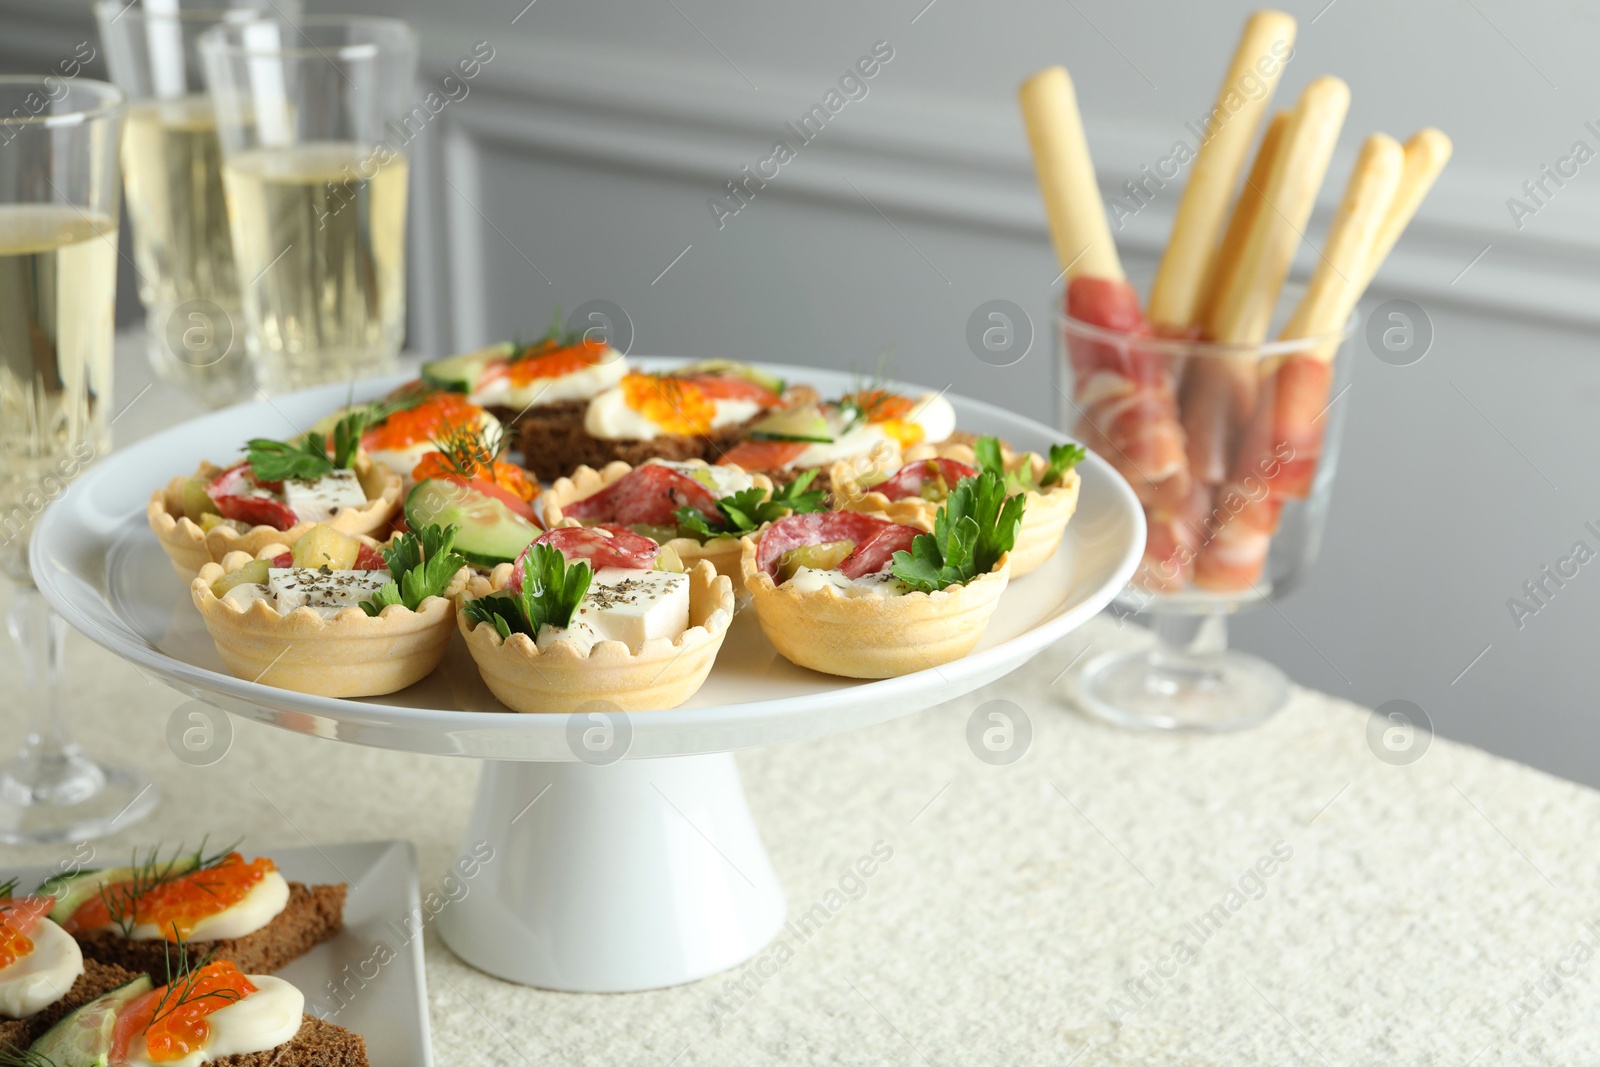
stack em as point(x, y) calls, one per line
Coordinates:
point(288, 588)
point(627, 605)
point(813, 580)
point(263, 903)
point(579, 385)
point(42, 977)
point(611, 419)
point(723, 481)
point(260, 1021)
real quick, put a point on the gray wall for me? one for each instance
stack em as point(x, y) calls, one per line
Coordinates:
point(580, 165)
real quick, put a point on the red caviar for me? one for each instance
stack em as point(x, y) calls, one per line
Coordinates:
point(19, 915)
point(172, 1019)
point(674, 404)
point(424, 422)
point(508, 476)
point(175, 907)
point(556, 362)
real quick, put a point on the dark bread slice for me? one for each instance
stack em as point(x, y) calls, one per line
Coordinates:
point(560, 410)
point(318, 1044)
point(313, 915)
point(553, 448)
point(97, 979)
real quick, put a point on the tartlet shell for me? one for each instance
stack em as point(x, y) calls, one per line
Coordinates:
point(382, 486)
point(181, 537)
point(563, 678)
point(1043, 522)
point(351, 654)
point(721, 552)
point(872, 636)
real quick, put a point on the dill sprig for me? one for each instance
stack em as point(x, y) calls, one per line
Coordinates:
point(556, 336)
point(122, 898)
point(8, 889)
point(179, 989)
point(467, 449)
point(12, 1056)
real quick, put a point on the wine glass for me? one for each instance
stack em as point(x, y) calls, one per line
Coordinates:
point(59, 200)
point(172, 167)
point(1231, 449)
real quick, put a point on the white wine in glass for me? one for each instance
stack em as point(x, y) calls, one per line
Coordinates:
point(319, 233)
point(59, 202)
point(172, 166)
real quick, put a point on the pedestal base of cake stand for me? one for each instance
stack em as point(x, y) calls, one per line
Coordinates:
point(609, 879)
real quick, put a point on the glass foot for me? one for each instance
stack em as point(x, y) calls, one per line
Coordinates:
point(85, 801)
point(1152, 690)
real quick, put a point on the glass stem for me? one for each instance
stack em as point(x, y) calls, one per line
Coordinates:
point(50, 769)
point(1186, 647)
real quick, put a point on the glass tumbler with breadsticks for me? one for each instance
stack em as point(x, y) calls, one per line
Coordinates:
point(1217, 399)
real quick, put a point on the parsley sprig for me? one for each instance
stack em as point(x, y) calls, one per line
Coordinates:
point(1062, 459)
point(551, 591)
point(976, 525)
point(421, 564)
point(307, 459)
point(750, 509)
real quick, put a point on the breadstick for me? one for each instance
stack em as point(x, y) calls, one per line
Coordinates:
point(1246, 214)
point(1182, 279)
point(1427, 152)
point(1072, 202)
point(1357, 226)
point(1243, 309)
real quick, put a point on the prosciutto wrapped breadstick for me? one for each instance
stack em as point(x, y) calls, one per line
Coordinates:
point(1125, 393)
point(1283, 447)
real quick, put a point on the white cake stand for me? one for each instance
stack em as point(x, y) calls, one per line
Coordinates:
point(624, 855)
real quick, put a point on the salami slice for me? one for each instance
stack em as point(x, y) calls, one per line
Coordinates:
point(599, 546)
point(230, 492)
point(909, 480)
point(819, 528)
point(876, 553)
point(648, 494)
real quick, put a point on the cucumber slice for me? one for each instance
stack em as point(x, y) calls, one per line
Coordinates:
point(750, 374)
point(72, 890)
point(796, 424)
point(488, 532)
point(83, 1036)
point(459, 374)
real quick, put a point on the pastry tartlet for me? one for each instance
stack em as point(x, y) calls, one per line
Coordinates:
point(721, 552)
point(190, 547)
point(350, 654)
point(860, 632)
point(1049, 508)
point(661, 673)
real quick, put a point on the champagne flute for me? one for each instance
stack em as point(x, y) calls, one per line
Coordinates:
point(314, 170)
point(59, 200)
point(172, 168)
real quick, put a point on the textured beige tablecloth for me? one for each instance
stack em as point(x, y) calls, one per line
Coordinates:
point(1029, 913)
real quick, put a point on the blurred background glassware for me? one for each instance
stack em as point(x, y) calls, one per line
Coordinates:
point(59, 202)
point(314, 170)
point(1256, 431)
point(172, 170)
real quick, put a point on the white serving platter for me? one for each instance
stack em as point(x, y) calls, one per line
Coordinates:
point(98, 564)
point(387, 1003)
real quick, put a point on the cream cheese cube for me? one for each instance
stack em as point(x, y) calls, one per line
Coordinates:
point(631, 606)
point(322, 499)
point(328, 593)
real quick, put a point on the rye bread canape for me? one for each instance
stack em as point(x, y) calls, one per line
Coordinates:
point(913, 493)
point(868, 425)
point(95, 979)
point(43, 974)
point(695, 510)
point(197, 1012)
point(861, 596)
point(334, 616)
point(586, 615)
point(147, 916)
point(280, 490)
point(698, 411)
